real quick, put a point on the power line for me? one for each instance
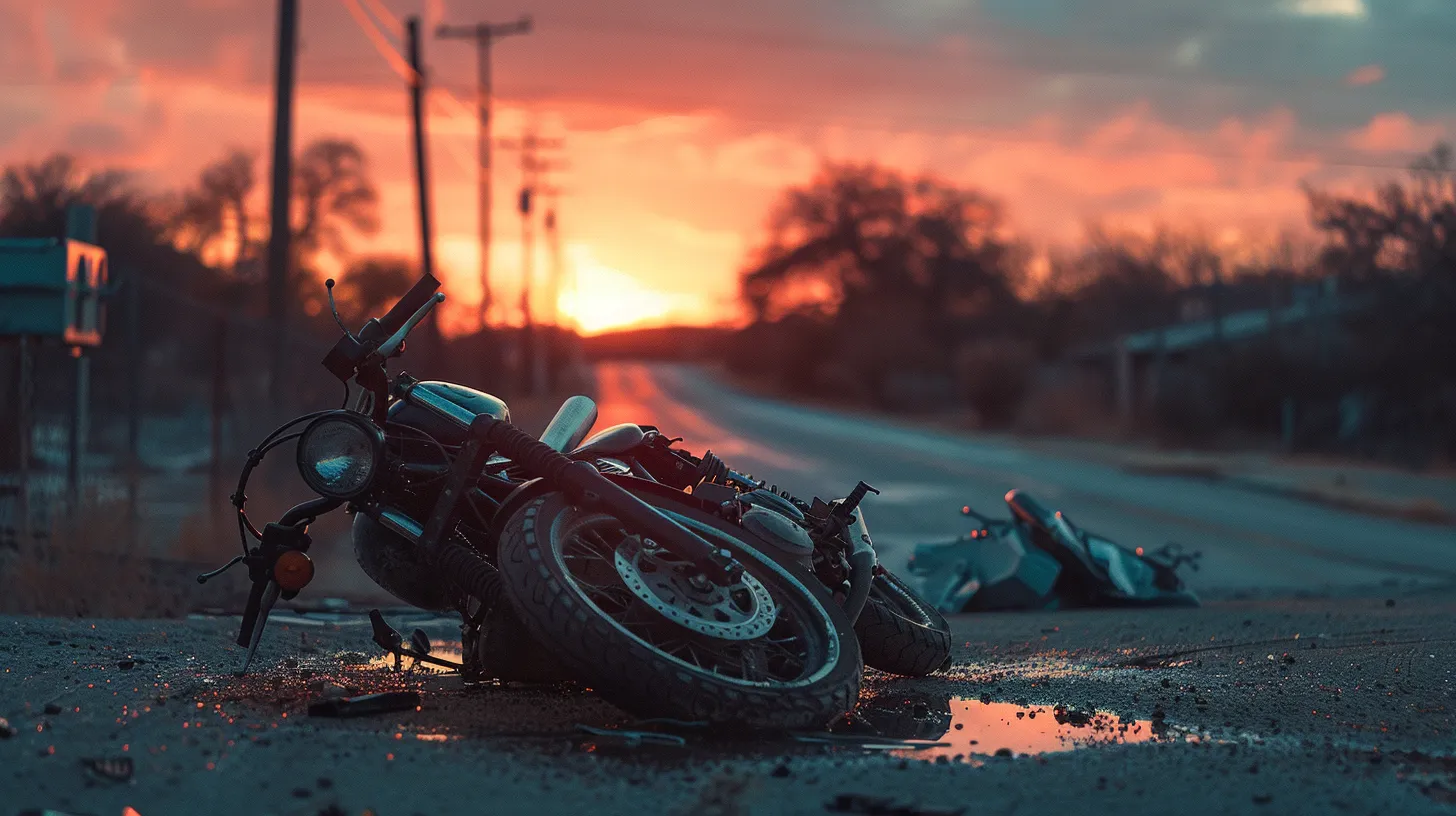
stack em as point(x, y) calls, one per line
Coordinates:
point(384, 15)
point(380, 42)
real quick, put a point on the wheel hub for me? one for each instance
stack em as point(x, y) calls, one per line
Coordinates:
point(740, 611)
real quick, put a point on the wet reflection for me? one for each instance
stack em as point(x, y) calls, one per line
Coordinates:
point(968, 728)
point(445, 650)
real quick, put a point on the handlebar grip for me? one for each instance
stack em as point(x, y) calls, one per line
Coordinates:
point(250, 613)
point(583, 484)
point(417, 296)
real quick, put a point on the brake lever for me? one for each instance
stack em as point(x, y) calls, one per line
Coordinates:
point(208, 576)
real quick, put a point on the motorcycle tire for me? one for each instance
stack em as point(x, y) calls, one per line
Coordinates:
point(900, 632)
point(576, 580)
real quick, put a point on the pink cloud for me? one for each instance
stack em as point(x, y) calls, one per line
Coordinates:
point(677, 143)
point(1394, 132)
point(1365, 75)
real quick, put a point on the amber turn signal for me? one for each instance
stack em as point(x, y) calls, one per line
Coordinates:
point(293, 570)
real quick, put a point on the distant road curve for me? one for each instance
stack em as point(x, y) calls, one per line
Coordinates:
point(1251, 542)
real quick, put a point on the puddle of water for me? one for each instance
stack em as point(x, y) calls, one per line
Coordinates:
point(971, 728)
point(445, 650)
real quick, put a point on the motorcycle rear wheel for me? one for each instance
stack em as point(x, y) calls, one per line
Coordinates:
point(900, 632)
point(793, 663)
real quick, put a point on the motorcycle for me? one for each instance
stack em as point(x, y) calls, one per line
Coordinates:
point(898, 631)
point(649, 594)
point(1040, 559)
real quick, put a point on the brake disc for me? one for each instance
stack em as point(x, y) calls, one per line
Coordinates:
point(740, 611)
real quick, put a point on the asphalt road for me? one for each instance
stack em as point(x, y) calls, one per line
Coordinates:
point(1317, 681)
point(1252, 542)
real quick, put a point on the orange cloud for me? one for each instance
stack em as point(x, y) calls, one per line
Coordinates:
point(677, 142)
point(1365, 75)
point(1394, 132)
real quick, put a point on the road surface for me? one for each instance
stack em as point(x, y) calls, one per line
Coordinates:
point(1319, 680)
point(1251, 542)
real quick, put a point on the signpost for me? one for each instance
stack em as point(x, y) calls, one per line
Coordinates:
point(51, 291)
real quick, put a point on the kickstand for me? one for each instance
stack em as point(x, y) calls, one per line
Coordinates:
point(393, 642)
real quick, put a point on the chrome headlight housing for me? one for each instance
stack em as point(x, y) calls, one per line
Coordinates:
point(339, 454)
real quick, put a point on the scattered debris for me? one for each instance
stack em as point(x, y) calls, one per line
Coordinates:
point(366, 705)
point(119, 769)
point(327, 689)
point(1072, 717)
point(633, 739)
point(1038, 559)
point(885, 806)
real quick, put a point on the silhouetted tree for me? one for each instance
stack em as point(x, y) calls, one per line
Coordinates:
point(34, 198)
point(333, 196)
point(900, 269)
point(1397, 246)
point(371, 285)
point(217, 210)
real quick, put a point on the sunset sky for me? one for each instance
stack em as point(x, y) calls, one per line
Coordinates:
point(682, 121)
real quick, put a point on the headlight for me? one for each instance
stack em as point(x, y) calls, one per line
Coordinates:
point(339, 454)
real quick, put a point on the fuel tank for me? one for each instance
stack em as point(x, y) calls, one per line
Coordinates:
point(445, 410)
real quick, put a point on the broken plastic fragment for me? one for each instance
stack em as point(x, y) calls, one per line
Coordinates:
point(632, 739)
point(366, 705)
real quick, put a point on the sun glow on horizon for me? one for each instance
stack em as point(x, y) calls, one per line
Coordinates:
point(605, 298)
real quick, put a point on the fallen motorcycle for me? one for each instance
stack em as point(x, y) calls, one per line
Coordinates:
point(899, 632)
point(1039, 559)
point(650, 594)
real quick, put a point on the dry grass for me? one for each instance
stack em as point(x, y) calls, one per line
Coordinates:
point(79, 565)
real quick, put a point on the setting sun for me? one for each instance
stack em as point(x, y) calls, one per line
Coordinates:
point(605, 298)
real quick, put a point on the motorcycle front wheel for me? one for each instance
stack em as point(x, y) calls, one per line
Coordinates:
point(655, 638)
point(900, 632)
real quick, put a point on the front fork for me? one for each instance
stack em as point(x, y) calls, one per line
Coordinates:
point(279, 567)
point(864, 564)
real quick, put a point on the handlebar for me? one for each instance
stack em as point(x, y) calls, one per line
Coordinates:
point(408, 306)
point(390, 346)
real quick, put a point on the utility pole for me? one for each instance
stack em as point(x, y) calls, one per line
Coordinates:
point(556, 343)
point(422, 175)
point(80, 226)
point(278, 227)
point(531, 373)
point(484, 35)
point(530, 383)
